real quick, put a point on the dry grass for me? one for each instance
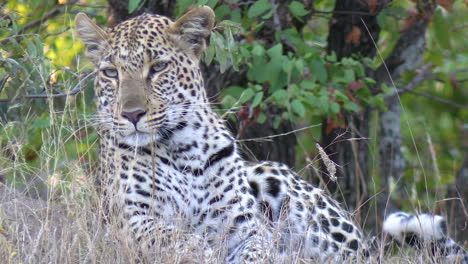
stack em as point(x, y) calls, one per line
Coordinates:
point(71, 231)
point(74, 231)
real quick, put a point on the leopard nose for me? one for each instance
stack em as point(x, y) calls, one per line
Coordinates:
point(134, 116)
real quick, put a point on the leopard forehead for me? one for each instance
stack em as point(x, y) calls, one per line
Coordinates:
point(141, 40)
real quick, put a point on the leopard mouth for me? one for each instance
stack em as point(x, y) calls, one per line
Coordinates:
point(138, 138)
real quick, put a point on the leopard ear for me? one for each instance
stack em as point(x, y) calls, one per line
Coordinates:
point(192, 30)
point(94, 37)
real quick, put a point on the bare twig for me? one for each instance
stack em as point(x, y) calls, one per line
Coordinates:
point(343, 12)
point(276, 19)
point(460, 70)
point(422, 76)
point(425, 75)
point(78, 88)
point(438, 99)
point(58, 9)
point(246, 3)
point(268, 138)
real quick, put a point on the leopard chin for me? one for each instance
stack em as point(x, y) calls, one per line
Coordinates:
point(138, 139)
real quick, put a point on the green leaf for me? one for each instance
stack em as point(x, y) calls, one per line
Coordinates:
point(322, 104)
point(210, 51)
point(341, 96)
point(349, 75)
point(31, 48)
point(297, 9)
point(318, 69)
point(235, 15)
point(212, 3)
point(232, 48)
point(258, 26)
point(257, 88)
point(441, 30)
point(183, 5)
point(275, 51)
point(258, 99)
point(258, 8)
point(308, 85)
point(276, 122)
point(39, 46)
point(258, 50)
point(310, 100)
point(299, 63)
point(351, 107)
point(261, 119)
point(287, 66)
point(280, 95)
point(331, 57)
point(133, 5)
point(246, 95)
point(385, 88)
point(369, 81)
point(221, 54)
point(379, 101)
point(229, 23)
point(41, 123)
point(235, 91)
point(294, 90)
point(382, 18)
point(222, 12)
point(269, 14)
point(398, 11)
point(334, 107)
point(228, 101)
point(298, 107)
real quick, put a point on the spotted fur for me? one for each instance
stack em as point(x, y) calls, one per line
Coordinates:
point(169, 163)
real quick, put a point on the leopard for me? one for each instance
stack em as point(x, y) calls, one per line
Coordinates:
point(168, 162)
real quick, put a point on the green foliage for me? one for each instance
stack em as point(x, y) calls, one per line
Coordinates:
point(290, 72)
point(133, 5)
point(41, 136)
point(432, 121)
point(441, 30)
point(258, 8)
point(297, 9)
point(304, 83)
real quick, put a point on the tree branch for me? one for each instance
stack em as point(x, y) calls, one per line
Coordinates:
point(438, 99)
point(342, 12)
point(425, 75)
point(78, 88)
point(422, 76)
point(56, 10)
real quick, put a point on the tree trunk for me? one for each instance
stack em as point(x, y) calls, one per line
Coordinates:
point(118, 9)
point(353, 155)
point(343, 144)
point(406, 55)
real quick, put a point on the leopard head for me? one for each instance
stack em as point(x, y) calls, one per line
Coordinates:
point(148, 77)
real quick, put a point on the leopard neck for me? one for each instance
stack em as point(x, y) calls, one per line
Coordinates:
point(200, 142)
point(197, 144)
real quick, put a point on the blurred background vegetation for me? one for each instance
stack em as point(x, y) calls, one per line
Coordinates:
point(288, 74)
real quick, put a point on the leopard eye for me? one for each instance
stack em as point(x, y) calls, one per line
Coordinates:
point(158, 66)
point(111, 73)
